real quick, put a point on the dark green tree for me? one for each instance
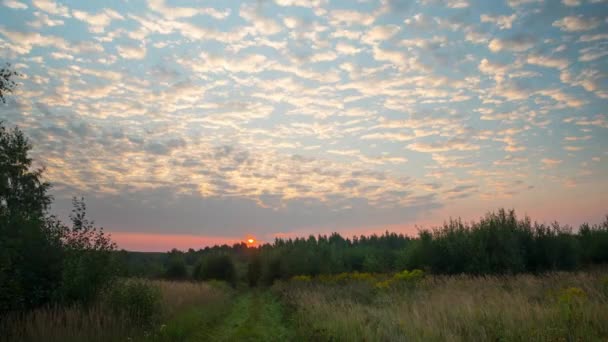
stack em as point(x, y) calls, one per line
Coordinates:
point(216, 266)
point(7, 82)
point(254, 271)
point(30, 246)
point(41, 259)
point(176, 266)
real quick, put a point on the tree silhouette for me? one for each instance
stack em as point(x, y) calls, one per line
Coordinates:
point(7, 83)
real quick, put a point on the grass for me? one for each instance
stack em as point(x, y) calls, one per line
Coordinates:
point(256, 316)
point(554, 307)
point(407, 306)
point(184, 309)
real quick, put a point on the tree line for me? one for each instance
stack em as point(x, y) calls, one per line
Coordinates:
point(499, 243)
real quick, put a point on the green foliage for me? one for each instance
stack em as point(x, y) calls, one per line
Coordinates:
point(30, 247)
point(254, 271)
point(7, 84)
point(138, 301)
point(89, 264)
point(41, 259)
point(176, 266)
point(216, 266)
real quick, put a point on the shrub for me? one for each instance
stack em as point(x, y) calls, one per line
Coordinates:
point(176, 266)
point(409, 276)
point(301, 278)
point(218, 267)
point(137, 300)
point(254, 271)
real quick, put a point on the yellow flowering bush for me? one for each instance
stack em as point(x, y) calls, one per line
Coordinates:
point(301, 278)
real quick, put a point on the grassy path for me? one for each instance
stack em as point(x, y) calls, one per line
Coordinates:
point(255, 316)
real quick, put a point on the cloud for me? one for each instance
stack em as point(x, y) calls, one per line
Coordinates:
point(516, 43)
point(498, 70)
point(304, 110)
point(350, 17)
point(264, 25)
point(592, 53)
point(599, 121)
point(97, 22)
point(551, 162)
point(14, 4)
point(548, 62)
point(518, 3)
point(23, 42)
point(160, 7)
point(503, 22)
point(131, 52)
point(52, 7)
point(379, 34)
point(43, 20)
point(387, 136)
point(561, 97)
point(577, 23)
point(571, 3)
point(347, 49)
point(593, 37)
point(454, 144)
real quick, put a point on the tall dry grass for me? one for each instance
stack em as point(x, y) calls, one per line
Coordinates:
point(102, 322)
point(553, 307)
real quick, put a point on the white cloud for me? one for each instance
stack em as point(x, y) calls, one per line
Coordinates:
point(503, 22)
point(548, 62)
point(517, 3)
point(379, 34)
point(52, 7)
point(97, 22)
point(14, 4)
point(350, 17)
point(593, 37)
point(43, 20)
point(498, 70)
point(455, 144)
point(131, 52)
point(347, 49)
point(517, 44)
point(592, 53)
point(264, 25)
point(561, 97)
point(388, 136)
point(160, 7)
point(577, 23)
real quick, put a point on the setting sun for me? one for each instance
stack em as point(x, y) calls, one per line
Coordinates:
point(250, 241)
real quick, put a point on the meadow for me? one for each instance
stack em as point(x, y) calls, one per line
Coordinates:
point(130, 310)
point(366, 307)
point(403, 306)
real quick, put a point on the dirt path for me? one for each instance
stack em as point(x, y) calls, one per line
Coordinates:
point(255, 316)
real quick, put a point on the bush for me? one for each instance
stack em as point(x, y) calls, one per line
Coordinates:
point(41, 259)
point(176, 267)
point(138, 301)
point(218, 267)
point(254, 271)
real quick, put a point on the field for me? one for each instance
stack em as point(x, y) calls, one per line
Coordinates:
point(406, 306)
point(553, 307)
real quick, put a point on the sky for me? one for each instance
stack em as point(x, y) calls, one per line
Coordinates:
point(190, 123)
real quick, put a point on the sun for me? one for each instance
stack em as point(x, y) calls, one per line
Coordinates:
point(250, 241)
